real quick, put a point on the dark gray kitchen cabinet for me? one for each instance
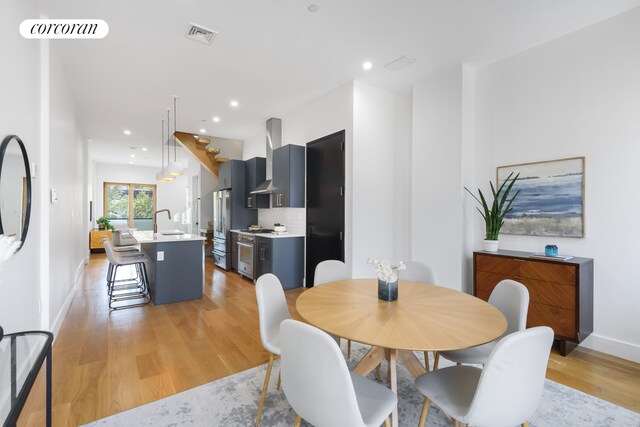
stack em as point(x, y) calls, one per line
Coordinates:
point(224, 175)
point(256, 174)
point(281, 256)
point(234, 251)
point(288, 177)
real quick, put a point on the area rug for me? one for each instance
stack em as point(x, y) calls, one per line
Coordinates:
point(233, 401)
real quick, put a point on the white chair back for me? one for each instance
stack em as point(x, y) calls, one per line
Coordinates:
point(331, 271)
point(511, 383)
point(315, 377)
point(512, 299)
point(418, 272)
point(111, 256)
point(272, 310)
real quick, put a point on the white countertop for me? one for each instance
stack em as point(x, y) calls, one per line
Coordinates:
point(150, 237)
point(270, 235)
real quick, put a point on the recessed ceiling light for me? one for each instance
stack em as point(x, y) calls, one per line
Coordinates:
point(203, 131)
point(132, 156)
point(234, 103)
point(127, 132)
point(313, 8)
point(216, 119)
point(144, 148)
point(367, 65)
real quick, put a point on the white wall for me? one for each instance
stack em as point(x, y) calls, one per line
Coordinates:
point(402, 153)
point(437, 175)
point(208, 183)
point(170, 195)
point(19, 109)
point(66, 175)
point(375, 206)
point(255, 146)
point(578, 96)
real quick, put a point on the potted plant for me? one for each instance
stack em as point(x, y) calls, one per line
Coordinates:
point(494, 215)
point(104, 224)
point(279, 228)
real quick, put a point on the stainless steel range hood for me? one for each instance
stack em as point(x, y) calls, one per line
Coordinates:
point(274, 140)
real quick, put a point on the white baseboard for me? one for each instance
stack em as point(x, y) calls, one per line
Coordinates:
point(57, 323)
point(614, 347)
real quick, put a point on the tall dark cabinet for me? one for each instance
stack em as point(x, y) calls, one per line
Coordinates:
point(288, 177)
point(256, 174)
point(281, 256)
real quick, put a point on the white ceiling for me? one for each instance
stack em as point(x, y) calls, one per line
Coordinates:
point(274, 55)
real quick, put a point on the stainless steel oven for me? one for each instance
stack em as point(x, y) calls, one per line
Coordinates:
point(246, 244)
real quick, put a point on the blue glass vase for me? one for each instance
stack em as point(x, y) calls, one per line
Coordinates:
point(387, 291)
point(551, 250)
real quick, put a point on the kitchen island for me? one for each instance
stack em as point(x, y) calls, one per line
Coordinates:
point(176, 267)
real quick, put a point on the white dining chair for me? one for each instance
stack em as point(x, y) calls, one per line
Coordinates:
point(512, 299)
point(332, 271)
point(272, 310)
point(418, 271)
point(319, 386)
point(503, 394)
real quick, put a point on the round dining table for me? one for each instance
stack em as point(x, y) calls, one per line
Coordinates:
point(424, 318)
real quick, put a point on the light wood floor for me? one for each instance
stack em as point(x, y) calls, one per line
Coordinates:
point(104, 363)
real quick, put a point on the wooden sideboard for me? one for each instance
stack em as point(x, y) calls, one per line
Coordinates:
point(560, 292)
point(95, 239)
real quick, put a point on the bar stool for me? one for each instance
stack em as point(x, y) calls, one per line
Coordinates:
point(131, 288)
point(122, 251)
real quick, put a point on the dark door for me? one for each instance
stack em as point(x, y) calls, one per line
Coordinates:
point(325, 201)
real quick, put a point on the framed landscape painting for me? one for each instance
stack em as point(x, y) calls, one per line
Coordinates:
point(551, 198)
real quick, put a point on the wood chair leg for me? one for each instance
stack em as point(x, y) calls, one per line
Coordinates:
point(349, 349)
point(426, 360)
point(279, 380)
point(264, 389)
point(425, 410)
point(436, 360)
point(378, 374)
point(298, 421)
point(387, 422)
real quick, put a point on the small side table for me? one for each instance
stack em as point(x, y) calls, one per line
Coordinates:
point(21, 357)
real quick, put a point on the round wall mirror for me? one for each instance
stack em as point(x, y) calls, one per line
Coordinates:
point(15, 188)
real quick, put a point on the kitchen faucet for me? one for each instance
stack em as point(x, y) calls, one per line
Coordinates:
point(155, 218)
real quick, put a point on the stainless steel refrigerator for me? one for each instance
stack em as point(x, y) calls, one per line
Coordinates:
point(221, 228)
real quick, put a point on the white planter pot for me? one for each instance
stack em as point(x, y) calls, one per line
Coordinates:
point(491, 245)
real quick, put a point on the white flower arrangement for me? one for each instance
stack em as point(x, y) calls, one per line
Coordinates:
point(8, 246)
point(386, 272)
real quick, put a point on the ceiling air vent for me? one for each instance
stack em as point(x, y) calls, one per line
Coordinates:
point(400, 63)
point(201, 34)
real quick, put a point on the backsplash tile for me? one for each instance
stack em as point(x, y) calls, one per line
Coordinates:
point(294, 219)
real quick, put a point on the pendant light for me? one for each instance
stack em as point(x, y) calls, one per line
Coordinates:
point(175, 168)
point(165, 170)
point(160, 175)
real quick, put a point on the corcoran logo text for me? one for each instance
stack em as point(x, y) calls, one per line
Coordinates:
point(64, 29)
